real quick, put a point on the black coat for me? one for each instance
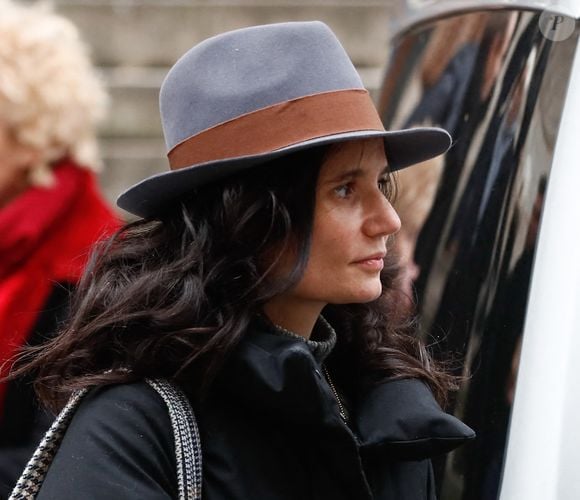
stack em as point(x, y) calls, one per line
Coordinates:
point(270, 429)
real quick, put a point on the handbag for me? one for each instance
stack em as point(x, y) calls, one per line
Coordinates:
point(185, 433)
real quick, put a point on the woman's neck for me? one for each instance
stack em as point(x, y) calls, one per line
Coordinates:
point(294, 315)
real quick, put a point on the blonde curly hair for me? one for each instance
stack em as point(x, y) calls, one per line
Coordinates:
point(51, 98)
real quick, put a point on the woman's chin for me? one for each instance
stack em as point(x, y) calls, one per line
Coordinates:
point(369, 297)
point(360, 295)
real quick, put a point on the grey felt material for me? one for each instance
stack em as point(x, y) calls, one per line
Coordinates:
point(244, 70)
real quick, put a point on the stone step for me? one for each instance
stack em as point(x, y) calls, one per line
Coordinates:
point(156, 33)
point(134, 93)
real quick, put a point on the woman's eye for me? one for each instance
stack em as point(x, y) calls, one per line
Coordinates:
point(343, 191)
point(385, 187)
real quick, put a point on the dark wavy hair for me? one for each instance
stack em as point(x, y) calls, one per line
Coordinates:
point(172, 296)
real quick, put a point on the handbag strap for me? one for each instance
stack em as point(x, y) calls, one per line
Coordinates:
point(31, 479)
point(185, 434)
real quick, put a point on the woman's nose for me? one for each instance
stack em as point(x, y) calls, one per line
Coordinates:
point(382, 219)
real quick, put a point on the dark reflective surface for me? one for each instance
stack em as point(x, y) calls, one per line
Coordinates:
point(471, 218)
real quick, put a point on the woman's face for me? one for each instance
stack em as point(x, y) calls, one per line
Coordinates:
point(352, 221)
point(15, 163)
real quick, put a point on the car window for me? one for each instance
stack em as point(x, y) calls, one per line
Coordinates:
point(471, 218)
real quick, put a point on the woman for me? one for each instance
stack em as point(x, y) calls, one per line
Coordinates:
point(255, 282)
point(50, 209)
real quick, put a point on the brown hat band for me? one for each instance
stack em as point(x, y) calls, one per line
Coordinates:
point(279, 126)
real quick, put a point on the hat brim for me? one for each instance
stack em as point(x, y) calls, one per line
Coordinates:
point(403, 148)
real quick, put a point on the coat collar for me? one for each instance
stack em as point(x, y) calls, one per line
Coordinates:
point(321, 342)
point(279, 376)
point(403, 418)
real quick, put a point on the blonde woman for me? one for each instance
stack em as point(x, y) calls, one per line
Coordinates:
point(50, 209)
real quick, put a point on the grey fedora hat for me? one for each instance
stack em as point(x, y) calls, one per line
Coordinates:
point(248, 96)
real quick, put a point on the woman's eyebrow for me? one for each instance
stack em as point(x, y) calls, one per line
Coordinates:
point(348, 174)
point(353, 173)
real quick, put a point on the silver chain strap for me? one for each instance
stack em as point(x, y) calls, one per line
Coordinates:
point(185, 432)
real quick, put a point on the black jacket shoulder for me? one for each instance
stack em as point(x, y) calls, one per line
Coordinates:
point(118, 445)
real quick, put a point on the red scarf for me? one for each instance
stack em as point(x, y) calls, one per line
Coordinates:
point(45, 238)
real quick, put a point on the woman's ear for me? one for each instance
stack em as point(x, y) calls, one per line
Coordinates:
point(40, 174)
point(17, 162)
point(29, 162)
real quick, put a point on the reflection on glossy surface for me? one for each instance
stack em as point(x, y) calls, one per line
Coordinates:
point(471, 219)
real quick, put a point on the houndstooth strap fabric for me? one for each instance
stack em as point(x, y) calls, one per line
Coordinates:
point(31, 479)
point(185, 433)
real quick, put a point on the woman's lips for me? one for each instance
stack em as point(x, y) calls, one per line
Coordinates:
point(371, 264)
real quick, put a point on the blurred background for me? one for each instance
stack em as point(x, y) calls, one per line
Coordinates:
point(134, 42)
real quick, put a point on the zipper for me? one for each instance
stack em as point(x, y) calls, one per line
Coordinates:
point(341, 408)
